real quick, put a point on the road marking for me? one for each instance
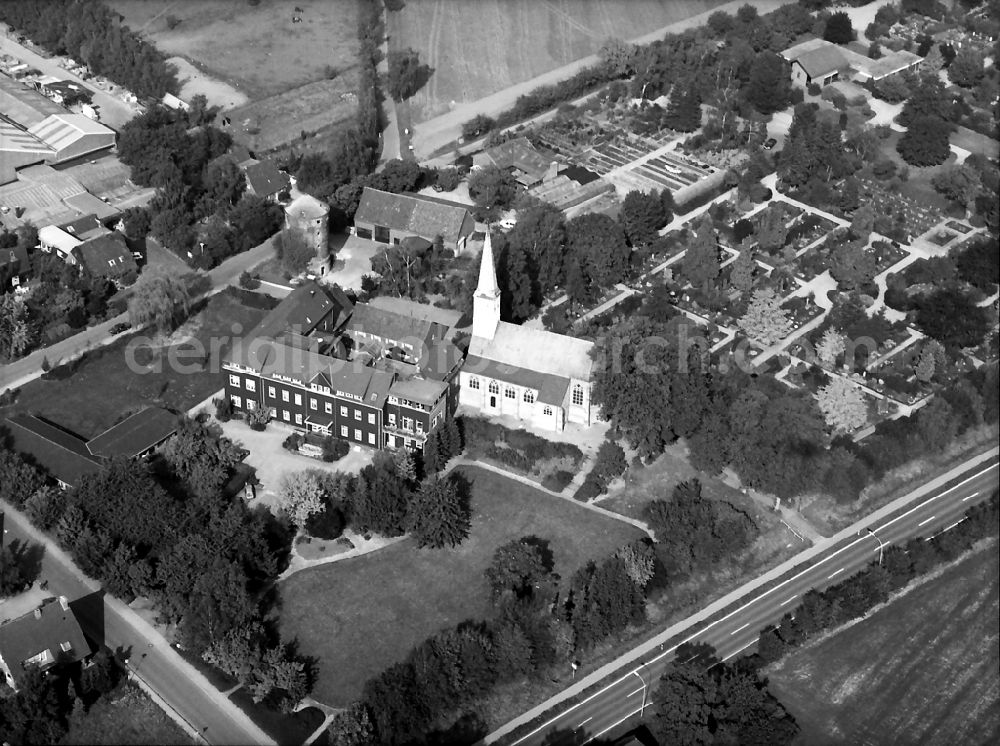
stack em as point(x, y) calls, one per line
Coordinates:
point(754, 600)
point(789, 600)
point(835, 573)
point(585, 722)
point(738, 630)
point(926, 520)
point(737, 652)
point(952, 526)
point(636, 691)
point(974, 494)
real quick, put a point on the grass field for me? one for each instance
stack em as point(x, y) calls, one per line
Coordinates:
point(922, 670)
point(128, 717)
point(359, 616)
point(256, 48)
point(103, 389)
point(480, 47)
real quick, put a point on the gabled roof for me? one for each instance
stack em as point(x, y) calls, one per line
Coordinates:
point(58, 239)
point(444, 316)
point(107, 255)
point(823, 61)
point(16, 257)
point(519, 347)
point(415, 213)
point(84, 227)
point(521, 155)
point(86, 203)
point(551, 388)
point(135, 434)
point(62, 454)
point(63, 130)
point(24, 106)
point(390, 325)
point(51, 627)
point(305, 308)
point(265, 179)
point(419, 390)
point(16, 140)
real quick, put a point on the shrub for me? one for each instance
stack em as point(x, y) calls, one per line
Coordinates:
point(258, 418)
point(335, 449)
point(326, 524)
point(292, 442)
point(588, 491)
point(813, 89)
point(223, 409)
point(557, 481)
point(248, 281)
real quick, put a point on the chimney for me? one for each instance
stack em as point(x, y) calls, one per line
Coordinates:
point(38, 613)
point(64, 602)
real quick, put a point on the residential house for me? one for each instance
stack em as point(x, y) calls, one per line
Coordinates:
point(523, 161)
point(265, 180)
point(42, 638)
point(389, 218)
point(822, 62)
point(107, 256)
point(15, 264)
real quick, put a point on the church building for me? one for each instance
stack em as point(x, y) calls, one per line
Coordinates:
point(534, 375)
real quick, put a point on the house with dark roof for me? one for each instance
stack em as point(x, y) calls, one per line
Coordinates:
point(388, 218)
point(106, 255)
point(518, 156)
point(265, 180)
point(136, 435)
point(64, 455)
point(14, 266)
point(42, 638)
point(364, 374)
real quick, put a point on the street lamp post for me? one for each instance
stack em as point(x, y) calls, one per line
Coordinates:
point(881, 544)
point(642, 707)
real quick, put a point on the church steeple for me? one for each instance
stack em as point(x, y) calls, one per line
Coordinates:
point(486, 301)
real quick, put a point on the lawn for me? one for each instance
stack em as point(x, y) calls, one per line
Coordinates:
point(256, 48)
point(479, 47)
point(921, 670)
point(126, 717)
point(360, 615)
point(102, 389)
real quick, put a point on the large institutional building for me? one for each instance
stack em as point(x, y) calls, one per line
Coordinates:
point(531, 374)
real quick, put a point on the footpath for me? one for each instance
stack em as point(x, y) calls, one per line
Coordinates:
point(820, 546)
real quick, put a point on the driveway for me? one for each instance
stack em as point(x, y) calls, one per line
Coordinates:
point(356, 253)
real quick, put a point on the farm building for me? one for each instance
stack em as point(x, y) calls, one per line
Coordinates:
point(822, 62)
point(73, 135)
point(523, 161)
point(389, 218)
point(19, 149)
point(23, 106)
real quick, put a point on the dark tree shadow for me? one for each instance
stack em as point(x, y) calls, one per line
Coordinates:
point(28, 558)
point(544, 549)
point(470, 728)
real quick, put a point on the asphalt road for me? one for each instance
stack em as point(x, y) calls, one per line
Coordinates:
point(206, 710)
point(628, 697)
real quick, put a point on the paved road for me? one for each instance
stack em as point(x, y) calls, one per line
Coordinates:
point(189, 694)
point(113, 111)
point(625, 698)
point(28, 368)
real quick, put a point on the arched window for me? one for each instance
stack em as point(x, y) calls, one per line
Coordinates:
point(509, 393)
point(529, 397)
point(473, 383)
point(494, 387)
point(578, 395)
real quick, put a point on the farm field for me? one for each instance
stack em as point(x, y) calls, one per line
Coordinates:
point(921, 670)
point(102, 390)
point(257, 49)
point(480, 47)
point(359, 616)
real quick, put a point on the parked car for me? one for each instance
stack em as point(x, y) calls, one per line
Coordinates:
point(122, 326)
point(770, 143)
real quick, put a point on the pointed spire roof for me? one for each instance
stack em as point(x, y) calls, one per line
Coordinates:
point(487, 271)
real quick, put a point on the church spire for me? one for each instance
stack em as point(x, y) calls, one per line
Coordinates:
point(486, 301)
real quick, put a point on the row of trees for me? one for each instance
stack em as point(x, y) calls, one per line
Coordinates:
point(94, 34)
point(855, 596)
point(171, 531)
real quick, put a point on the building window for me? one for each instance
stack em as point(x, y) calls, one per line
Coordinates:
point(250, 385)
point(343, 411)
point(357, 415)
point(234, 380)
point(420, 426)
point(313, 404)
point(407, 423)
point(237, 402)
point(298, 418)
point(434, 422)
point(357, 435)
point(298, 400)
point(547, 411)
point(578, 395)
point(285, 416)
point(509, 393)
point(270, 391)
point(284, 396)
point(529, 397)
point(371, 438)
point(392, 420)
point(473, 383)
point(274, 413)
point(251, 404)
point(371, 418)
point(343, 431)
point(328, 408)
point(494, 387)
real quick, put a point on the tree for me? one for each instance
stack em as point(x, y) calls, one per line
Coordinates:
point(967, 69)
point(158, 299)
point(925, 142)
point(838, 29)
point(439, 514)
point(406, 74)
point(639, 560)
point(831, 346)
point(742, 271)
point(684, 109)
point(769, 87)
point(380, 503)
point(300, 495)
point(925, 364)
point(765, 321)
point(478, 126)
point(618, 57)
point(292, 251)
point(772, 233)
point(493, 190)
point(520, 292)
point(136, 220)
point(12, 576)
point(701, 260)
point(352, 727)
point(15, 332)
point(516, 569)
point(960, 184)
point(597, 242)
point(35, 715)
point(842, 404)
point(642, 215)
point(952, 318)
